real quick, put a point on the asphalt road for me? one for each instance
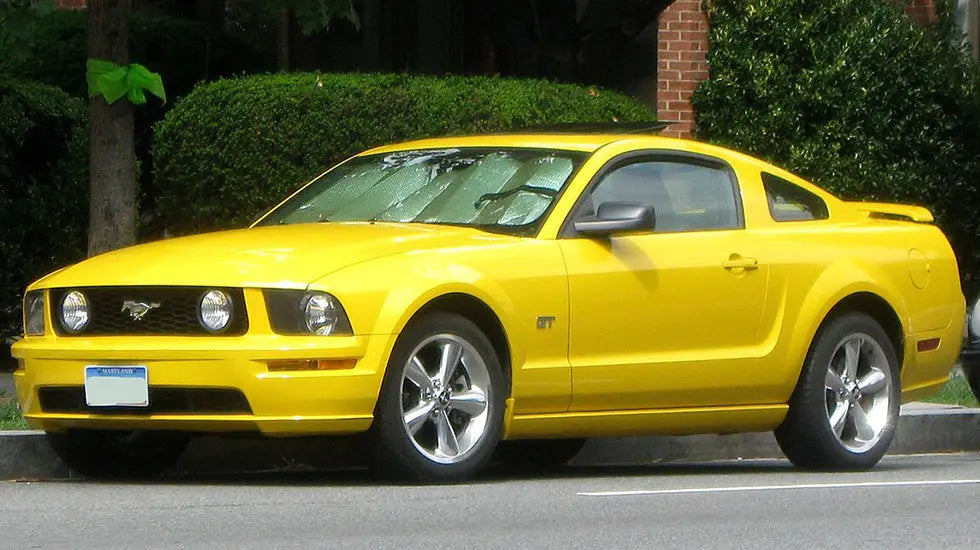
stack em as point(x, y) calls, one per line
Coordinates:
point(925, 501)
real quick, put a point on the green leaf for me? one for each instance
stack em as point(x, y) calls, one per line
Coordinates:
point(113, 81)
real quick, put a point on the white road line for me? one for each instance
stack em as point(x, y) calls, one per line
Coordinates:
point(746, 488)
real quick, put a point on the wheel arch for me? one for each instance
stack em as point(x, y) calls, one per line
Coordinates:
point(847, 286)
point(877, 308)
point(480, 314)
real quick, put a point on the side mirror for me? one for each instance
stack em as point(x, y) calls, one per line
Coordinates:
point(617, 217)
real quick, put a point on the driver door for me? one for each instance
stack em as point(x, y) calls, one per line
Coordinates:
point(668, 317)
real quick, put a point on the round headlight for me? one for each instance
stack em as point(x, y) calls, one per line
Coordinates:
point(74, 312)
point(215, 311)
point(974, 323)
point(322, 314)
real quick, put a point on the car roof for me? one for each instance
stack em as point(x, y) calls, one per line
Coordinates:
point(589, 142)
point(572, 142)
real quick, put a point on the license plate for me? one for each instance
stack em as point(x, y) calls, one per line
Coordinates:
point(116, 386)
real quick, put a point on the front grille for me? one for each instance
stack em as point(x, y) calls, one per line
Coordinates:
point(163, 400)
point(176, 315)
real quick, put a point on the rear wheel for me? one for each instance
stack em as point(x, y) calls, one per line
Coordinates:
point(845, 407)
point(440, 411)
point(118, 454)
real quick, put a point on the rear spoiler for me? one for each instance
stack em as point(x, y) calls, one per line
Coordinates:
point(893, 211)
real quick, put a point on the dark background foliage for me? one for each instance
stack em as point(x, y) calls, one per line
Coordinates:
point(43, 188)
point(853, 96)
point(234, 147)
point(184, 52)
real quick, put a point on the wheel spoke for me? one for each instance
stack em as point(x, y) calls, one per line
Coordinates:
point(415, 418)
point(838, 419)
point(451, 355)
point(446, 443)
point(861, 424)
point(832, 381)
point(472, 402)
point(415, 372)
point(873, 382)
point(852, 353)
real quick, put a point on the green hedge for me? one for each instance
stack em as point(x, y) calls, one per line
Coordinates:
point(234, 147)
point(852, 95)
point(43, 188)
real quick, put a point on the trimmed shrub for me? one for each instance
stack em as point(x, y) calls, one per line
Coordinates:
point(233, 147)
point(852, 95)
point(43, 189)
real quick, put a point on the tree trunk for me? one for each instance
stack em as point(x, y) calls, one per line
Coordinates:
point(112, 162)
point(283, 40)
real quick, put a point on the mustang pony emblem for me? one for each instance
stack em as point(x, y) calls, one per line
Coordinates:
point(138, 309)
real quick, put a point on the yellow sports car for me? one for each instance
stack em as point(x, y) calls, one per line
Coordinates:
point(459, 296)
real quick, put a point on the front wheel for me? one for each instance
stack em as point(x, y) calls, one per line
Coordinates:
point(118, 454)
point(844, 410)
point(440, 411)
point(973, 378)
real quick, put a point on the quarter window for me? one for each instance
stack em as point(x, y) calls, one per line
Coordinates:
point(685, 196)
point(789, 202)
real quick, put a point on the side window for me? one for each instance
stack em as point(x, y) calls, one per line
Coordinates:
point(685, 196)
point(789, 202)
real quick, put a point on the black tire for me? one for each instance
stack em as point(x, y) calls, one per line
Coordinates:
point(806, 436)
point(118, 454)
point(406, 456)
point(536, 455)
point(973, 378)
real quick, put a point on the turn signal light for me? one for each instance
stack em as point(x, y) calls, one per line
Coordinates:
point(927, 345)
point(310, 364)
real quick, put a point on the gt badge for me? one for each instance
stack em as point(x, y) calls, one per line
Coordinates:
point(545, 321)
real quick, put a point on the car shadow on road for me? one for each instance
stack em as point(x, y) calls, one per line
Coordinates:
point(297, 475)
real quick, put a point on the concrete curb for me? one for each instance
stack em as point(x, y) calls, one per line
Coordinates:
point(919, 431)
point(26, 455)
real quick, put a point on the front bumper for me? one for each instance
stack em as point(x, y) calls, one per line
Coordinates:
point(281, 403)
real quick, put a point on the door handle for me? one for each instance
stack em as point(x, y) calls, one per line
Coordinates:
point(738, 262)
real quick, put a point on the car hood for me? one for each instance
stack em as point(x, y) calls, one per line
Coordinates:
point(289, 256)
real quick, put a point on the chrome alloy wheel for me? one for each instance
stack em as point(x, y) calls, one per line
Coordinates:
point(445, 398)
point(858, 392)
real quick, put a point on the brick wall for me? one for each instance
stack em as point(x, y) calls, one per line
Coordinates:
point(682, 49)
point(922, 12)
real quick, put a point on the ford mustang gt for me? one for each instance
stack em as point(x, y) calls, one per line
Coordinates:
point(454, 298)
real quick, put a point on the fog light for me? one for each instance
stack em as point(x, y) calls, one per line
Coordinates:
point(215, 310)
point(74, 312)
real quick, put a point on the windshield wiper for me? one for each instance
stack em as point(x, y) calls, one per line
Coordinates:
point(486, 197)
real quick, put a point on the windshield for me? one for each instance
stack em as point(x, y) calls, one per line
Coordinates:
point(502, 190)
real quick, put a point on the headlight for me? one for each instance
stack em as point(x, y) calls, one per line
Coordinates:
point(322, 314)
point(974, 321)
point(215, 310)
point(74, 312)
point(299, 312)
point(34, 313)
